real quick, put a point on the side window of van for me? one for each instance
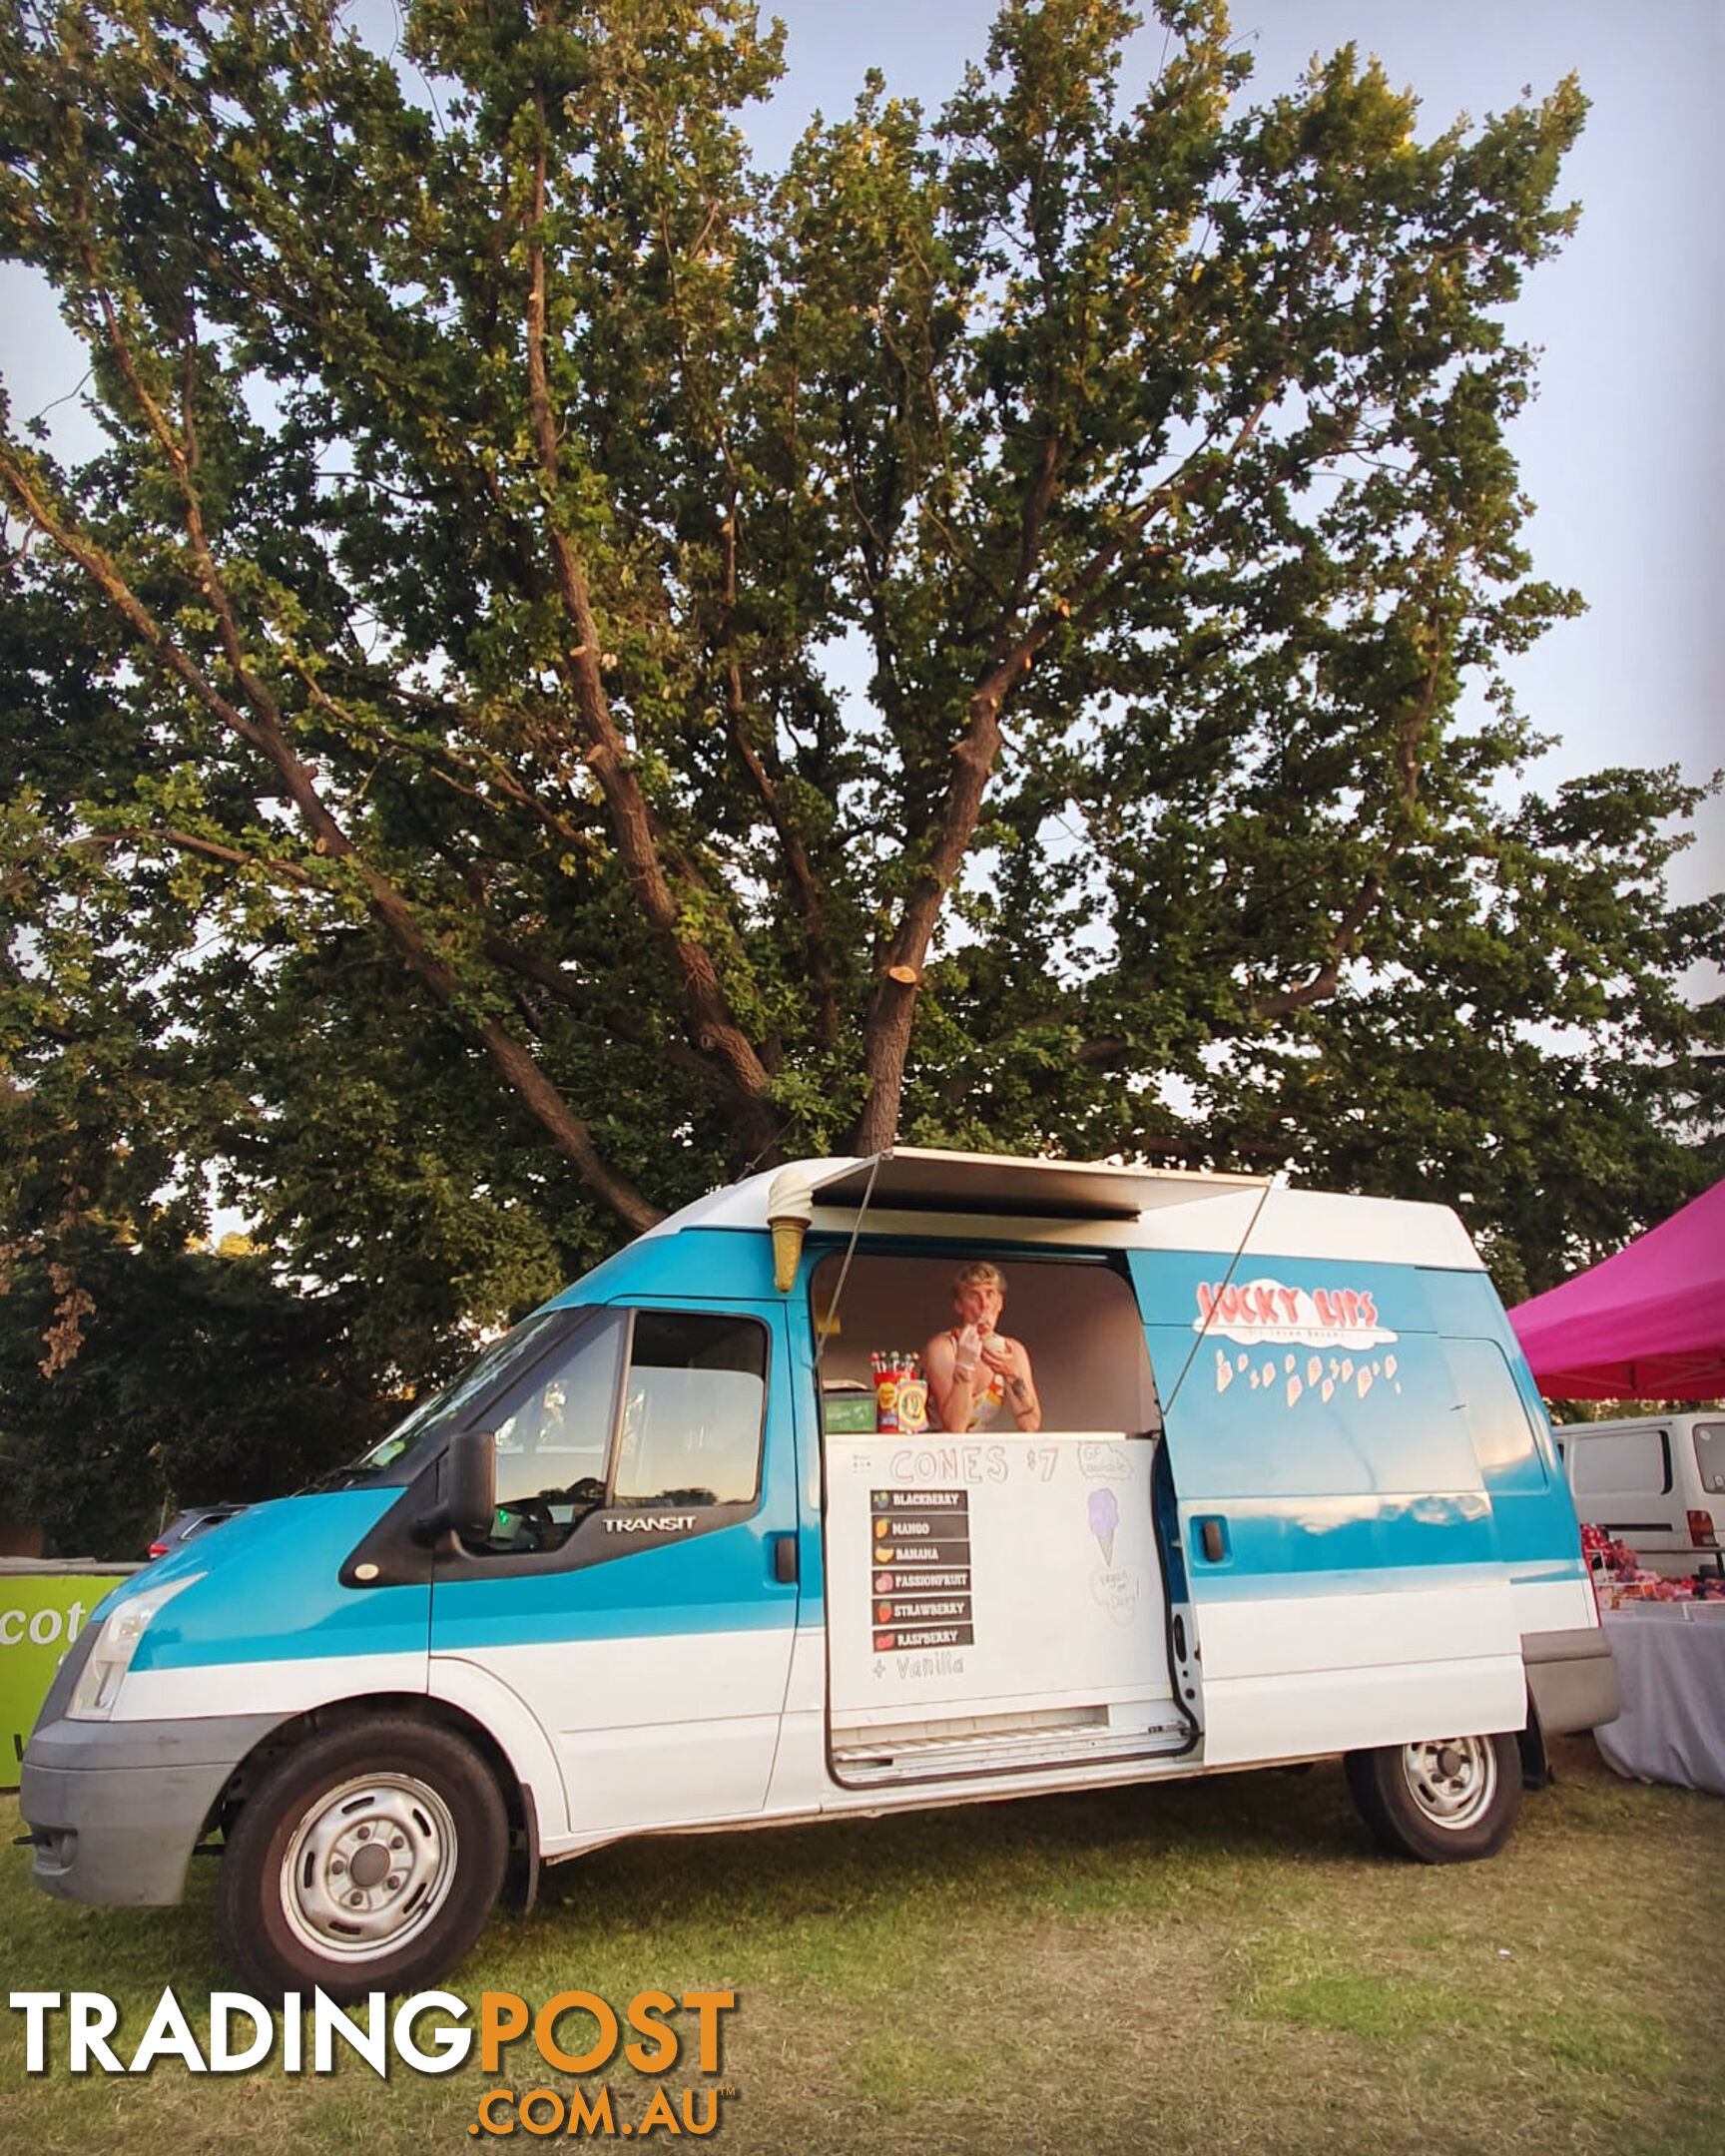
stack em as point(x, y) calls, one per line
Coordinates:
point(693, 1403)
point(1504, 1442)
point(651, 1409)
point(554, 1429)
point(1620, 1461)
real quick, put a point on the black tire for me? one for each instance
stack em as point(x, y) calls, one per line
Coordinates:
point(367, 1859)
point(1447, 1801)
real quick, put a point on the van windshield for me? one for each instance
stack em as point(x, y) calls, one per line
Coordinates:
point(445, 1408)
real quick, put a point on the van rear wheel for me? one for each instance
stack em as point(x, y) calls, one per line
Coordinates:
point(1443, 1801)
point(366, 1860)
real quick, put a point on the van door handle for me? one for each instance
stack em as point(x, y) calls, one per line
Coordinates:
point(784, 1559)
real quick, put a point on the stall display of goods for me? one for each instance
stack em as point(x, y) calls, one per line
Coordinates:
point(1619, 1577)
point(848, 1409)
point(900, 1391)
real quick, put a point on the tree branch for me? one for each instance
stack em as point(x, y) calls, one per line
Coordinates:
point(186, 842)
point(715, 1031)
point(263, 732)
point(790, 847)
point(891, 1004)
point(1328, 978)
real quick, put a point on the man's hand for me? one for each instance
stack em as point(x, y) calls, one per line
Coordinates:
point(998, 1356)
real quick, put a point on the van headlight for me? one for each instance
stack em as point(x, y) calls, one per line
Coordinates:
point(110, 1657)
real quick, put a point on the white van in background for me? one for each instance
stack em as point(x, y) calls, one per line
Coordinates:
point(1656, 1483)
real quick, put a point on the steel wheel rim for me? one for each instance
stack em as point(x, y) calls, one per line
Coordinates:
point(368, 1867)
point(1453, 1779)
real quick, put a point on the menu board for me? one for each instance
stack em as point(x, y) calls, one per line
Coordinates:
point(919, 1559)
point(982, 1576)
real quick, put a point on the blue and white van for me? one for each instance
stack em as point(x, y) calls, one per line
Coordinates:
point(649, 1567)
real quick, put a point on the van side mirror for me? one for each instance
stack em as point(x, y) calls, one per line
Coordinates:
point(466, 1489)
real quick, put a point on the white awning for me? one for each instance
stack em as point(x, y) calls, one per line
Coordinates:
point(910, 1178)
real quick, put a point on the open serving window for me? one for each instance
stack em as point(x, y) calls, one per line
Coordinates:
point(996, 1598)
point(1077, 1320)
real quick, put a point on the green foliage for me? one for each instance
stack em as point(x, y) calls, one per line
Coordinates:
point(150, 1414)
point(441, 807)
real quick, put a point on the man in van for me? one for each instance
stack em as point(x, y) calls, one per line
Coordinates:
point(976, 1371)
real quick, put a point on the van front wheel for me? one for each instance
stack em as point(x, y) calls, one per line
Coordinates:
point(1442, 1800)
point(366, 1860)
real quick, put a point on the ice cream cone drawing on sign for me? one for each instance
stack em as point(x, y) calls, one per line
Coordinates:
point(1104, 1519)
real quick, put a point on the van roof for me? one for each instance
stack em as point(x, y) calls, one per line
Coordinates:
point(911, 1191)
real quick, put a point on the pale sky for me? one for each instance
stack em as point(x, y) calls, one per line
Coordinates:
point(1624, 450)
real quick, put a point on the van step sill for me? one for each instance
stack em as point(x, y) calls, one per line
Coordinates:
point(882, 1758)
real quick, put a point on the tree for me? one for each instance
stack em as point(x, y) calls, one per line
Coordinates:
point(441, 802)
point(148, 1416)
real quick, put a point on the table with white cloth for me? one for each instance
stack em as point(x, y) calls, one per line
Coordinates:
point(1671, 1671)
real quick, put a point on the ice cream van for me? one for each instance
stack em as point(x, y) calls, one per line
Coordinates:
point(653, 1564)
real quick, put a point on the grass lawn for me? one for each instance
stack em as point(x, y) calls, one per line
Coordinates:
point(1222, 1965)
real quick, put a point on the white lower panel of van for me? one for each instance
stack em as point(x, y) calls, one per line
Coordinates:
point(1555, 1605)
point(284, 1687)
point(1293, 1676)
point(1269, 1718)
point(658, 1731)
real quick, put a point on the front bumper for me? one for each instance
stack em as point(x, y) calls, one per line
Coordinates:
point(116, 1807)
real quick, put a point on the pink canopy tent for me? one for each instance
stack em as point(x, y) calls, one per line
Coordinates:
point(1648, 1323)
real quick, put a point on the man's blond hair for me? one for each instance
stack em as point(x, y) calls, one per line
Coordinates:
point(979, 1275)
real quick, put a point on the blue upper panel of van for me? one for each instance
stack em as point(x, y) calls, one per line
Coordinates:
point(723, 1264)
point(1343, 1418)
point(270, 1590)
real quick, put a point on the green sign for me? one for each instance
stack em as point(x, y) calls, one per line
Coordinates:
point(41, 1614)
